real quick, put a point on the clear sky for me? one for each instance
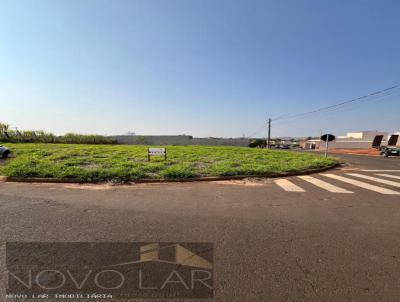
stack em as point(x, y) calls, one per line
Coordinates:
point(199, 67)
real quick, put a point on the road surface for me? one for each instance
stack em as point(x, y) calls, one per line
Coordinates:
point(333, 236)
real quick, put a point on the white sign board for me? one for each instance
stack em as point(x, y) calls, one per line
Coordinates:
point(156, 152)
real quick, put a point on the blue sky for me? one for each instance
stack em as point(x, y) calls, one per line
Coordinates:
point(200, 67)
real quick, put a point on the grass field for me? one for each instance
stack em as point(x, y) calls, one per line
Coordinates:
point(121, 163)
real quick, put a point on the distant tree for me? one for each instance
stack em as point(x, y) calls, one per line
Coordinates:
point(260, 143)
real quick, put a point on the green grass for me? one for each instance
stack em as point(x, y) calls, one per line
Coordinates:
point(120, 163)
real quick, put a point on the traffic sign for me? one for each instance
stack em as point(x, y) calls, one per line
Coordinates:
point(327, 137)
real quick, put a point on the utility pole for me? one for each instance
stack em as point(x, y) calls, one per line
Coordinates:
point(269, 134)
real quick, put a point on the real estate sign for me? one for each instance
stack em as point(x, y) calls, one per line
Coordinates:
point(156, 152)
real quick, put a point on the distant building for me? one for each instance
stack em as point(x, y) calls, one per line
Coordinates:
point(362, 135)
point(353, 140)
point(310, 144)
point(393, 140)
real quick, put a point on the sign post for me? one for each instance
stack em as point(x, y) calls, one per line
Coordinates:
point(327, 138)
point(326, 147)
point(156, 152)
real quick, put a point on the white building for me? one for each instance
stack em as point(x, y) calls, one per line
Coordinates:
point(393, 140)
point(358, 140)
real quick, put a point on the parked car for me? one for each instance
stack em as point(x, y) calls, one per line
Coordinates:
point(283, 147)
point(390, 151)
point(4, 152)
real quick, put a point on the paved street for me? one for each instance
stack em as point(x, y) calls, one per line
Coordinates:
point(331, 236)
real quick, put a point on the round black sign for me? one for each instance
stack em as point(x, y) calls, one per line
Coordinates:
point(327, 137)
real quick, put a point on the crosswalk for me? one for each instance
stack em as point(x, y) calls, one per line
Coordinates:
point(382, 183)
point(324, 185)
point(389, 176)
point(288, 185)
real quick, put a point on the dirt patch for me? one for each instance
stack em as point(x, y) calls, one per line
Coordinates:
point(245, 182)
point(369, 152)
point(92, 187)
point(3, 161)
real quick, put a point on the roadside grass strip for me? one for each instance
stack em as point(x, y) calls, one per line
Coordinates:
point(361, 184)
point(288, 185)
point(324, 185)
point(127, 163)
point(380, 180)
point(389, 176)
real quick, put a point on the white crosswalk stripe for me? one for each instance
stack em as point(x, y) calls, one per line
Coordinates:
point(389, 176)
point(288, 185)
point(324, 185)
point(376, 179)
point(361, 184)
point(378, 170)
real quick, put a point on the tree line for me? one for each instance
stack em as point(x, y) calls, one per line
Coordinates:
point(31, 136)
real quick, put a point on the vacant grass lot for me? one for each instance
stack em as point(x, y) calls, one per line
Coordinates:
point(120, 163)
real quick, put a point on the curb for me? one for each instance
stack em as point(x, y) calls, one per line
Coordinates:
point(206, 178)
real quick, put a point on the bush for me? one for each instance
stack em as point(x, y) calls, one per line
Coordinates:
point(261, 143)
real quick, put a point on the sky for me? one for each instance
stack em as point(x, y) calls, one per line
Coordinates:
point(201, 67)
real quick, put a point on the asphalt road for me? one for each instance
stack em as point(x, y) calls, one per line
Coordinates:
point(370, 162)
point(269, 244)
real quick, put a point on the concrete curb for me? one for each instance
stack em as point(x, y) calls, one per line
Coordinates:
point(208, 178)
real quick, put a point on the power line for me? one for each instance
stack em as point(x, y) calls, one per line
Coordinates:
point(375, 96)
point(338, 105)
point(257, 131)
point(344, 108)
